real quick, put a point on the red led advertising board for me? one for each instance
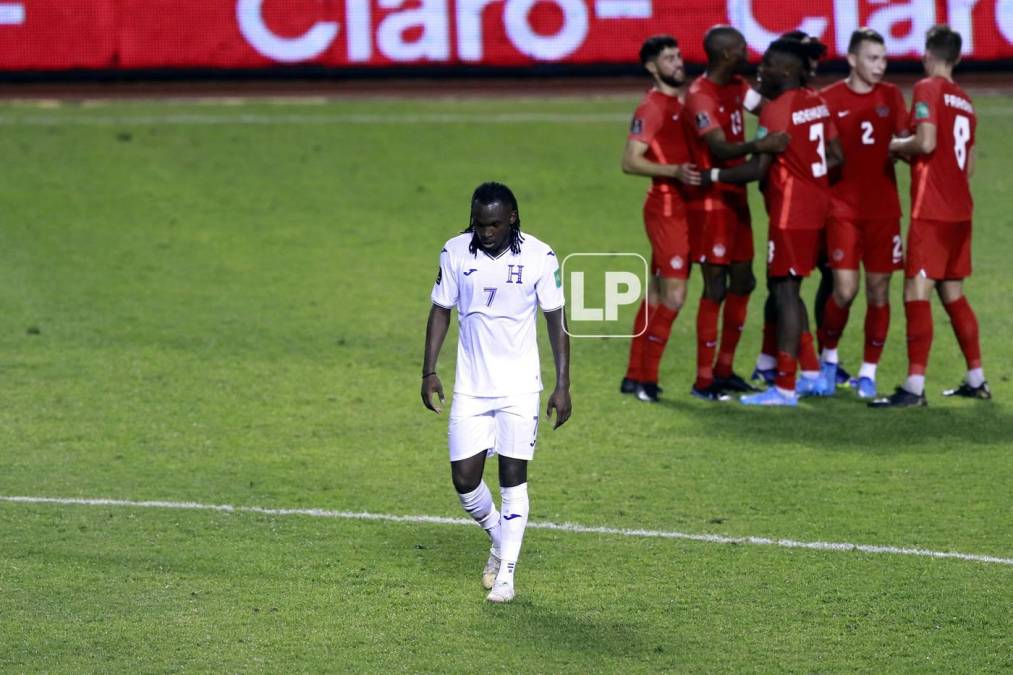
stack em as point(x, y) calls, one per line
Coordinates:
point(136, 34)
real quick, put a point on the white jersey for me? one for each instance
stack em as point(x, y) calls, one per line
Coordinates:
point(497, 300)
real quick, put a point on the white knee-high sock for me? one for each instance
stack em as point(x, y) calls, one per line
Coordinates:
point(478, 504)
point(512, 523)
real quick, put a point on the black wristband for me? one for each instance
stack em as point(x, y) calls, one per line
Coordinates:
point(428, 374)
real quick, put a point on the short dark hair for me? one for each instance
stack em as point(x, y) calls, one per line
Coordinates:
point(944, 43)
point(864, 35)
point(491, 193)
point(814, 48)
point(654, 45)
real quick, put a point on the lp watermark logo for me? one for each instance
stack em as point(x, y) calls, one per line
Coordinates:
point(603, 293)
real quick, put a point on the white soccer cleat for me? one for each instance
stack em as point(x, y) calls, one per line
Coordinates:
point(490, 571)
point(501, 592)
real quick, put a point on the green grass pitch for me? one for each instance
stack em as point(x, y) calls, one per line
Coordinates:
point(225, 304)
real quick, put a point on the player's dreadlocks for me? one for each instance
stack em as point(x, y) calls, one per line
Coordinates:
point(490, 193)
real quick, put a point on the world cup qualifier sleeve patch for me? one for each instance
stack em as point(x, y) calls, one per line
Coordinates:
point(636, 126)
point(703, 120)
point(921, 110)
point(558, 278)
point(761, 132)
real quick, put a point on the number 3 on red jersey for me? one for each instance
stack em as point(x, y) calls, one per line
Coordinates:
point(819, 168)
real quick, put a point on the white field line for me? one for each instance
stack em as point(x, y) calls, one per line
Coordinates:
point(202, 119)
point(838, 547)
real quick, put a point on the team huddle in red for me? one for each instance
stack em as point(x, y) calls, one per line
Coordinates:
point(825, 164)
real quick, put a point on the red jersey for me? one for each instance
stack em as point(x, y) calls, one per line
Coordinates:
point(712, 106)
point(940, 189)
point(656, 122)
point(797, 193)
point(867, 187)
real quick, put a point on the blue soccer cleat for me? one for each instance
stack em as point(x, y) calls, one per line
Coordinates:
point(865, 387)
point(827, 379)
point(766, 376)
point(809, 386)
point(771, 396)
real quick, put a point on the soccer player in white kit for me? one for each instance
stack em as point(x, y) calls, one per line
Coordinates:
point(496, 278)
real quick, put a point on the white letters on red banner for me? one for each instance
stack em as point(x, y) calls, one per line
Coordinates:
point(137, 34)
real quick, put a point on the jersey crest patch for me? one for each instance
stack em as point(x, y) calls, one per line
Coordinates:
point(883, 111)
point(921, 110)
point(703, 120)
point(636, 126)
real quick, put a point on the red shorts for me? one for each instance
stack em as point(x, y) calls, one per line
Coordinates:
point(873, 242)
point(668, 230)
point(721, 236)
point(792, 252)
point(938, 249)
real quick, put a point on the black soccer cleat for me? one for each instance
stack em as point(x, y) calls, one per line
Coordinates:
point(648, 392)
point(733, 383)
point(843, 377)
point(967, 391)
point(712, 393)
point(628, 386)
point(900, 398)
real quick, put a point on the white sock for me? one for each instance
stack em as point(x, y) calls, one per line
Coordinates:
point(478, 504)
point(867, 370)
point(829, 356)
point(975, 377)
point(810, 374)
point(915, 384)
point(512, 523)
point(766, 361)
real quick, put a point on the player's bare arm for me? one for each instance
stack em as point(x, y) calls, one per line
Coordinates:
point(923, 142)
point(560, 341)
point(436, 332)
point(753, 170)
point(721, 149)
point(635, 163)
point(835, 154)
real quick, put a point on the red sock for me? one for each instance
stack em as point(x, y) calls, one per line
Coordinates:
point(919, 335)
point(786, 365)
point(835, 318)
point(769, 339)
point(634, 370)
point(658, 330)
point(733, 322)
point(807, 358)
point(965, 326)
point(706, 341)
point(877, 324)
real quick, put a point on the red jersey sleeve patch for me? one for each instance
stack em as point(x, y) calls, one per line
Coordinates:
point(924, 104)
point(702, 110)
point(645, 124)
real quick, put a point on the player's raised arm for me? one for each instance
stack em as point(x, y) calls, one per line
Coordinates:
point(560, 341)
point(720, 147)
point(436, 332)
point(635, 163)
point(923, 142)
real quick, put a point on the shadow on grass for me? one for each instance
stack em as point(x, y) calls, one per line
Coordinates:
point(843, 423)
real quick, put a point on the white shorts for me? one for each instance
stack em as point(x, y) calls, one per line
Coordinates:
point(507, 425)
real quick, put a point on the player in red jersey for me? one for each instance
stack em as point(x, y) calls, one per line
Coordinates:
point(864, 223)
point(939, 238)
point(719, 214)
point(656, 147)
point(766, 362)
point(797, 196)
